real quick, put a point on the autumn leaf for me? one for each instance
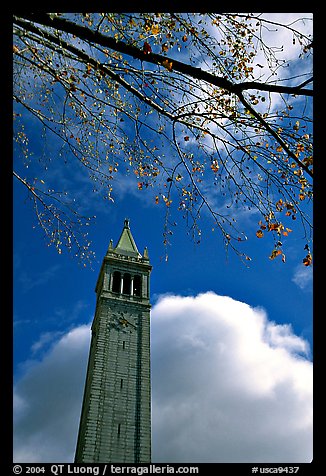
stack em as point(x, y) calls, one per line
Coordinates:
point(288, 230)
point(155, 29)
point(279, 205)
point(296, 126)
point(275, 253)
point(262, 226)
point(308, 160)
point(156, 199)
point(215, 167)
point(166, 201)
point(167, 64)
point(278, 227)
point(140, 185)
point(307, 261)
point(259, 234)
point(186, 138)
point(147, 48)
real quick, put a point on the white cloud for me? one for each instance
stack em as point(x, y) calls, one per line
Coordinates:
point(283, 45)
point(45, 339)
point(303, 276)
point(228, 386)
point(47, 401)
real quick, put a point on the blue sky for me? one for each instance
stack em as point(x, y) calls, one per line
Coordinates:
point(52, 291)
point(54, 298)
point(54, 302)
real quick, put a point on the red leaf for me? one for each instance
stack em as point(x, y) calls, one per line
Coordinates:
point(147, 48)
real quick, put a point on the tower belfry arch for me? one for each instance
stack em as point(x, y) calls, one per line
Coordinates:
point(115, 424)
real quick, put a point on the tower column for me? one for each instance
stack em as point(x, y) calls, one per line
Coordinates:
point(115, 423)
point(110, 282)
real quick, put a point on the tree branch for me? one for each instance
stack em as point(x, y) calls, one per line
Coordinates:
point(274, 88)
point(275, 135)
point(95, 37)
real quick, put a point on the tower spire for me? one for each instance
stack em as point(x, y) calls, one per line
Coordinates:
point(126, 245)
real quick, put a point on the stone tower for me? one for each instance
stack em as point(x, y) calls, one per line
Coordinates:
point(115, 424)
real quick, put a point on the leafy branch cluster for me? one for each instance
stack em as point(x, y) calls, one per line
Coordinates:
point(175, 101)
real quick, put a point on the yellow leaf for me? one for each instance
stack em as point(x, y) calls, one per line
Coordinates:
point(278, 227)
point(275, 253)
point(288, 230)
point(166, 201)
point(296, 126)
point(155, 29)
point(215, 167)
point(167, 64)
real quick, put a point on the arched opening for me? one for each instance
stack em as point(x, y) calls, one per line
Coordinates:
point(137, 285)
point(116, 284)
point(126, 284)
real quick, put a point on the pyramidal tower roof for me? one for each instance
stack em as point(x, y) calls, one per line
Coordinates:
point(126, 244)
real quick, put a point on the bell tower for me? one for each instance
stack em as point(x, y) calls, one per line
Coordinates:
point(115, 424)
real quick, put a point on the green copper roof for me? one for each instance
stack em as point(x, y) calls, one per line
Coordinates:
point(126, 244)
